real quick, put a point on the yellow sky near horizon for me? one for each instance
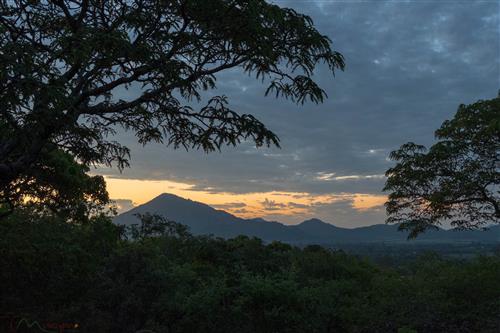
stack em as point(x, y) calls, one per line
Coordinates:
point(245, 205)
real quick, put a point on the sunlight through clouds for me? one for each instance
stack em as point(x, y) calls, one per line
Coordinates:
point(404, 77)
point(291, 206)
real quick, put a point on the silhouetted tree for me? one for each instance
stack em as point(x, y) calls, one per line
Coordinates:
point(457, 180)
point(73, 72)
point(169, 281)
point(57, 184)
point(153, 225)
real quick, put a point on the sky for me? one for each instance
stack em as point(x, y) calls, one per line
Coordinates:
point(409, 64)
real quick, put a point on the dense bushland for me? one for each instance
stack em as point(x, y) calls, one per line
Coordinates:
point(159, 277)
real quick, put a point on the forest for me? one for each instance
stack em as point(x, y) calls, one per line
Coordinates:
point(76, 77)
point(156, 277)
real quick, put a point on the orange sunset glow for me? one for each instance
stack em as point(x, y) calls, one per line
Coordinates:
point(245, 205)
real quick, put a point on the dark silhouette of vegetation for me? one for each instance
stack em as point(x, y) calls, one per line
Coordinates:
point(457, 180)
point(165, 280)
point(59, 185)
point(203, 219)
point(65, 64)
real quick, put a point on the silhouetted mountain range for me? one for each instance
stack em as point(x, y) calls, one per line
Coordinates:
point(203, 219)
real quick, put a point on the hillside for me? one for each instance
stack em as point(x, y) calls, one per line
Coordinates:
point(203, 219)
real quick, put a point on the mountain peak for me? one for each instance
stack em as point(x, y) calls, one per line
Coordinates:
point(314, 221)
point(317, 223)
point(166, 195)
point(203, 219)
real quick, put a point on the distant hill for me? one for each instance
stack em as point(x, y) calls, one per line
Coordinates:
point(203, 219)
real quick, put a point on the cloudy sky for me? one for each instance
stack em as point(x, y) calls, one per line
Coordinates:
point(409, 65)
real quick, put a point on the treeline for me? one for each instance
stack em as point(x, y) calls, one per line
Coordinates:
point(158, 277)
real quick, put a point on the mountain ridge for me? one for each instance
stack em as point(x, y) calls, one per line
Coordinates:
point(203, 219)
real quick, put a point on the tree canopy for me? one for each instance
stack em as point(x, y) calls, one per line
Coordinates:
point(457, 180)
point(73, 72)
point(56, 183)
point(164, 280)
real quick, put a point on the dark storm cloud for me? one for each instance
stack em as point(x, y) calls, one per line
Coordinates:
point(409, 65)
point(268, 204)
point(229, 205)
point(297, 205)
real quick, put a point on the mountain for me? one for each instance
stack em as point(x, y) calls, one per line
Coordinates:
point(203, 219)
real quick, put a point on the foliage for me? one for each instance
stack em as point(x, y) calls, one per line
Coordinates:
point(154, 225)
point(457, 180)
point(46, 262)
point(164, 281)
point(57, 185)
point(66, 66)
